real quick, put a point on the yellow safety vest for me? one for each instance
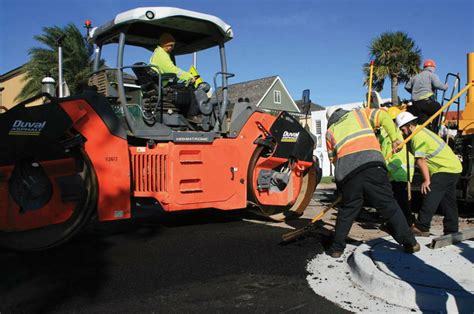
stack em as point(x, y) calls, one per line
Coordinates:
point(162, 60)
point(397, 164)
point(439, 156)
point(354, 132)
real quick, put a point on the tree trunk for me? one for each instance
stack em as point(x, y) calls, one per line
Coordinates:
point(394, 86)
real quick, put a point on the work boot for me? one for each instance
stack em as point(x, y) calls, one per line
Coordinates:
point(334, 253)
point(412, 248)
point(419, 233)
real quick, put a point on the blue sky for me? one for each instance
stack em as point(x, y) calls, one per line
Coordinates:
point(320, 45)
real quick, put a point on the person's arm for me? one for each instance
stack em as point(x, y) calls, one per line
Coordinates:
point(330, 147)
point(381, 119)
point(436, 83)
point(420, 150)
point(381, 137)
point(425, 173)
point(163, 61)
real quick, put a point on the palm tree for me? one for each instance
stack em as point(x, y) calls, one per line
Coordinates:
point(77, 64)
point(395, 56)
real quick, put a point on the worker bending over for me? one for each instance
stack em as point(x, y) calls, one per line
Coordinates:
point(360, 172)
point(400, 168)
point(440, 169)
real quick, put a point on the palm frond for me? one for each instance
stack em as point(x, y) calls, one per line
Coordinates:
point(395, 56)
point(77, 63)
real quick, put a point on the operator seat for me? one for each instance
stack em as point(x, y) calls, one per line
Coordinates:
point(174, 95)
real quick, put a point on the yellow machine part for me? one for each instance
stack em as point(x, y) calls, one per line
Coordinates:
point(193, 71)
point(466, 123)
point(393, 112)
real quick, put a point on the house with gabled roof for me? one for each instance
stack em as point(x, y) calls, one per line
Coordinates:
point(305, 118)
point(268, 94)
point(312, 107)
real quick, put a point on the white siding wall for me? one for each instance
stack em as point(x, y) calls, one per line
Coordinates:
point(320, 152)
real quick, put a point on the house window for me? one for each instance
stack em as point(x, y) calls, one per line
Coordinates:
point(318, 132)
point(277, 97)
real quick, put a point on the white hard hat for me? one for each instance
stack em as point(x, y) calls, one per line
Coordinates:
point(403, 118)
point(330, 111)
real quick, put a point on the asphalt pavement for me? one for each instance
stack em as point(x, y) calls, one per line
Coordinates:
point(206, 261)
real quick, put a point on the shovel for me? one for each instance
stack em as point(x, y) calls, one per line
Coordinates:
point(297, 233)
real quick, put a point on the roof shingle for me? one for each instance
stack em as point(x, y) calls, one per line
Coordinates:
point(254, 90)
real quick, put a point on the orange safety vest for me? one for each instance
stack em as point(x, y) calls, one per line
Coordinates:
point(353, 133)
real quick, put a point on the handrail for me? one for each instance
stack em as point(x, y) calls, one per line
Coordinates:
point(456, 85)
point(223, 106)
point(434, 116)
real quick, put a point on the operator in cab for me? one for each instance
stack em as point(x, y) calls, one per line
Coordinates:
point(163, 62)
point(360, 172)
point(161, 58)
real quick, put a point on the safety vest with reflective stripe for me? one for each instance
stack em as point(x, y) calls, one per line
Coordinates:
point(439, 156)
point(354, 133)
point(397, 164)
point(162, 60)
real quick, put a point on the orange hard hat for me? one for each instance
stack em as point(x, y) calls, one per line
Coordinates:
point(429, 63)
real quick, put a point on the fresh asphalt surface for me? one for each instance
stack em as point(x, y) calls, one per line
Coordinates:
point(203, 261)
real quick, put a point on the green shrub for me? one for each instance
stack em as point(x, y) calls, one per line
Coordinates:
point(327, 180)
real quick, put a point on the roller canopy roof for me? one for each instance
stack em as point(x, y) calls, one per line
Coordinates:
point(143, 26)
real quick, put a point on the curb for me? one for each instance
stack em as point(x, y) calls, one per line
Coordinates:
point(365, 273)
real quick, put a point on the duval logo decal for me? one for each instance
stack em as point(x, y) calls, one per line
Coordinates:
point(290, 137)
point(27, 128)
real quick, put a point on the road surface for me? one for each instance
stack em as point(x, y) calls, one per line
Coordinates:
point(189, 262)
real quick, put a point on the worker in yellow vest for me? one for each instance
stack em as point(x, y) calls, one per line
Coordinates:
point(164, 63)
point(400, 167)
point(440, 169)
point(360, 172)
point(161, 58)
